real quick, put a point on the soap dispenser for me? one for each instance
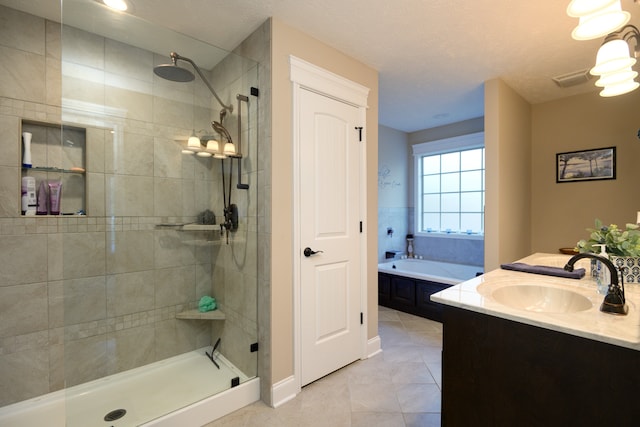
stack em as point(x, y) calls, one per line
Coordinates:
point(603, 276)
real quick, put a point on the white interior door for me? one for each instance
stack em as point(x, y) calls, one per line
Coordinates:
point(330, 285)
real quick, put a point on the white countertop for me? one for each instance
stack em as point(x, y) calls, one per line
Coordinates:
point(475, 295)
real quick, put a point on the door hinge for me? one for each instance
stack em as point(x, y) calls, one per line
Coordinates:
point(359, 129)
point(361, 226)
point(361, 318)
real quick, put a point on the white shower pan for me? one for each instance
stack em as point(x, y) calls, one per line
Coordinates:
point(186, 390)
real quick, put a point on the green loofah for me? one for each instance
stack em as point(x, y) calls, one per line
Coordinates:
point(207, 304)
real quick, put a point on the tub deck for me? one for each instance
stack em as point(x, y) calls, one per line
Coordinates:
point(407, 284)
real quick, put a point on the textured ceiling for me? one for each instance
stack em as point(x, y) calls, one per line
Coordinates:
point(432, 55)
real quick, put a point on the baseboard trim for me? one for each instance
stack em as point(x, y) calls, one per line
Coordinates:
point(283, 391)
point(374, 346)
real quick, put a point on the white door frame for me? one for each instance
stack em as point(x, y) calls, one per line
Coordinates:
point(306, 76)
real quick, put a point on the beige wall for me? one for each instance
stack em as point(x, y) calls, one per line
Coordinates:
point(562, 212)
point(289, 41)
point(508, 175)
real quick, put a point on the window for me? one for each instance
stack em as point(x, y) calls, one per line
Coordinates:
point(450, 186)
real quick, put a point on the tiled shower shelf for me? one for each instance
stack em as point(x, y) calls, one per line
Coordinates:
point(197, 315)
point(189, 227)
point(54, 169)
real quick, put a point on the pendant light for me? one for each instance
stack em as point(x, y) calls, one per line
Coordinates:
point(597, 18)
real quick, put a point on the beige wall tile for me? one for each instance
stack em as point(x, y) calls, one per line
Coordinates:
point(133, 347)
point(130, 293)
point(23, 259)
point(23, 309)
point(54, 256)
point(167, 197)
point(10, 141)
point(174, 286)
point(129, 195)
point(83, 255)
point(94, 155)
point(132, 154)
point(129, 61)
point(131, 97)
point(129, 251)
point(81, 47)
point(168, 156)
point(10, 200)
point(82, 87)
point(85, 359)
point(180, 114)
point(95, 194)
point(176, 336)
point(23, 75)
point(23, 375)
point(84, 300)
point(21, 31)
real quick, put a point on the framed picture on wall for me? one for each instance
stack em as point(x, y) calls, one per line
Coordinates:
point(586, 165)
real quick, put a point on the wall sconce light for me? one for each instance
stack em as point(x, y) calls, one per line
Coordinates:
point(597, 17)
point(614, 62)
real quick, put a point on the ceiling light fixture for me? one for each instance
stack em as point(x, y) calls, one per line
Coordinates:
point(120, 5)
point(597, 18)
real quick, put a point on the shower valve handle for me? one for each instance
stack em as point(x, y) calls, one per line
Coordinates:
point(308, 252)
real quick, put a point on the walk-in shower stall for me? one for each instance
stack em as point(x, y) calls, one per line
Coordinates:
point(106, 307)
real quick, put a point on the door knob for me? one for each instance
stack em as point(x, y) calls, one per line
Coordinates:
point(308, 252)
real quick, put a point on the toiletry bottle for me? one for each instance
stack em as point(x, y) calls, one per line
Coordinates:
point(603, 276)
point(26, 155)
point(43, 199)
point(29, 201)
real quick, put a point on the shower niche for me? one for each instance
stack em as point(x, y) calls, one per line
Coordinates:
point(56, 157)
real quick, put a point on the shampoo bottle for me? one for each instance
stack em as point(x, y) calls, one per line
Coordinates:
point(603, 276)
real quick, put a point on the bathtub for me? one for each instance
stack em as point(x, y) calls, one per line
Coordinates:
point(161, 394)
point(435, 271)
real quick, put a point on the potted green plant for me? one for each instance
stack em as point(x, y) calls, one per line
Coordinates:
point(623, 247)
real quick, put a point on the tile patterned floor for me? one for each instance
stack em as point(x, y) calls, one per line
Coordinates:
point(396, 388)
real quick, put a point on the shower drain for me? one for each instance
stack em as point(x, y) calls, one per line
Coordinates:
point(116, 414)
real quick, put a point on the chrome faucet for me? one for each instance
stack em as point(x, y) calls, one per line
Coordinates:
point(614, 302)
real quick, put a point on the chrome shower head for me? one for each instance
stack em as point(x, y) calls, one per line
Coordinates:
point(173, 72)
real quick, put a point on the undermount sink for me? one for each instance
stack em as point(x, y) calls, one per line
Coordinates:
point(544, 299)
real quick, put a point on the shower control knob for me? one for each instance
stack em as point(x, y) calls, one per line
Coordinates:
point(308, 252)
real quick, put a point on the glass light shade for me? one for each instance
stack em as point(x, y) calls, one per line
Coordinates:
point(578, 8)
point(601, 23)
point(612, 56)
point(620, 88)
point(212, 146)
point(120, 5)
point(193, 143)
point(203, 154)
point(185, 151)
point(616, 77)
point(229, 149)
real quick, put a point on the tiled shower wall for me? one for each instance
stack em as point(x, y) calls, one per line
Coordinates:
point(85, 297)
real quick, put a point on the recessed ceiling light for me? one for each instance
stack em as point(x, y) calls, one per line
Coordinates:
point(120, 5)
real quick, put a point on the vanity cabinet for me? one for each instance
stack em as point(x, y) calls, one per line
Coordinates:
point(498, 372)
point(58, 153)
point(410, 295)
